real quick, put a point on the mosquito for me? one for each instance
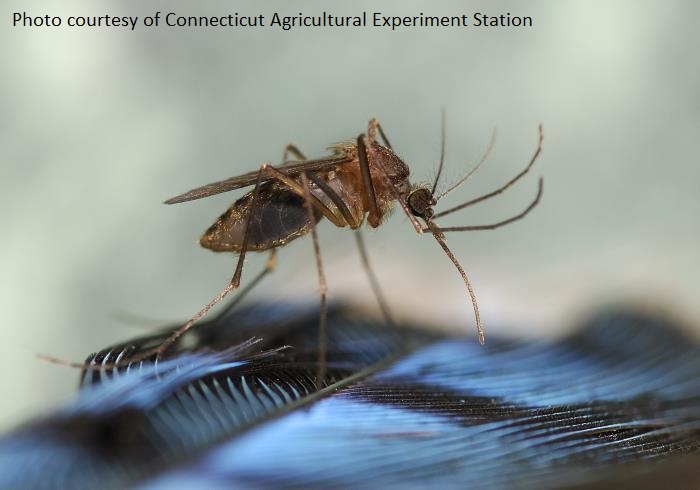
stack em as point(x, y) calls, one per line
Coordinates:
point(359, 182)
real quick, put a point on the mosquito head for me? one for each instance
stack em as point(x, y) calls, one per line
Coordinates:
point(421, 201)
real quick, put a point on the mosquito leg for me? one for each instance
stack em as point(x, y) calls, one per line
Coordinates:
point(233, 283)
point(298, 189)
point(323, 288)
point(291, 149)
point(383, 135)
point(493, 226)
point(294, 186)
point(367, 184)
point(374, 283)
point(502, 188)
point(368, 187)
point(270, 266)
point(373, 217)
point(355, 224)
point(190, 323)
point(373, 128)
point(401, 200)
point(353, 221)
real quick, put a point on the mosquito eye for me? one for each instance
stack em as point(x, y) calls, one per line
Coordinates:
point(420, 202)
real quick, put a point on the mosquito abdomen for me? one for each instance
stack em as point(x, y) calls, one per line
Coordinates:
point(278, 217)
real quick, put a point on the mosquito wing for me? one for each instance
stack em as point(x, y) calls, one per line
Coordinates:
point(244, 180)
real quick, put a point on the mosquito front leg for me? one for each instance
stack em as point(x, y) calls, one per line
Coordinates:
point(503, 188)
point(373, 128)
point(367, 185)
point(493, 226)
point(364, 167)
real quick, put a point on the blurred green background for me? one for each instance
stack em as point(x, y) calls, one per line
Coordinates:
point(98, 127)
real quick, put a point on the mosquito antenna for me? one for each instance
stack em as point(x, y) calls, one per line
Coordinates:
point(471, 171)
point(441, 240)
point(442, 151)
point(502, 188)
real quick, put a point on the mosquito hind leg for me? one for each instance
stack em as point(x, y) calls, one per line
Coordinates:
point(294, 186)
point(270, 266)
point(265, 169)
point(233, 283)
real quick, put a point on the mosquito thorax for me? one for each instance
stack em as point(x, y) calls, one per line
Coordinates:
point(421, 202)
